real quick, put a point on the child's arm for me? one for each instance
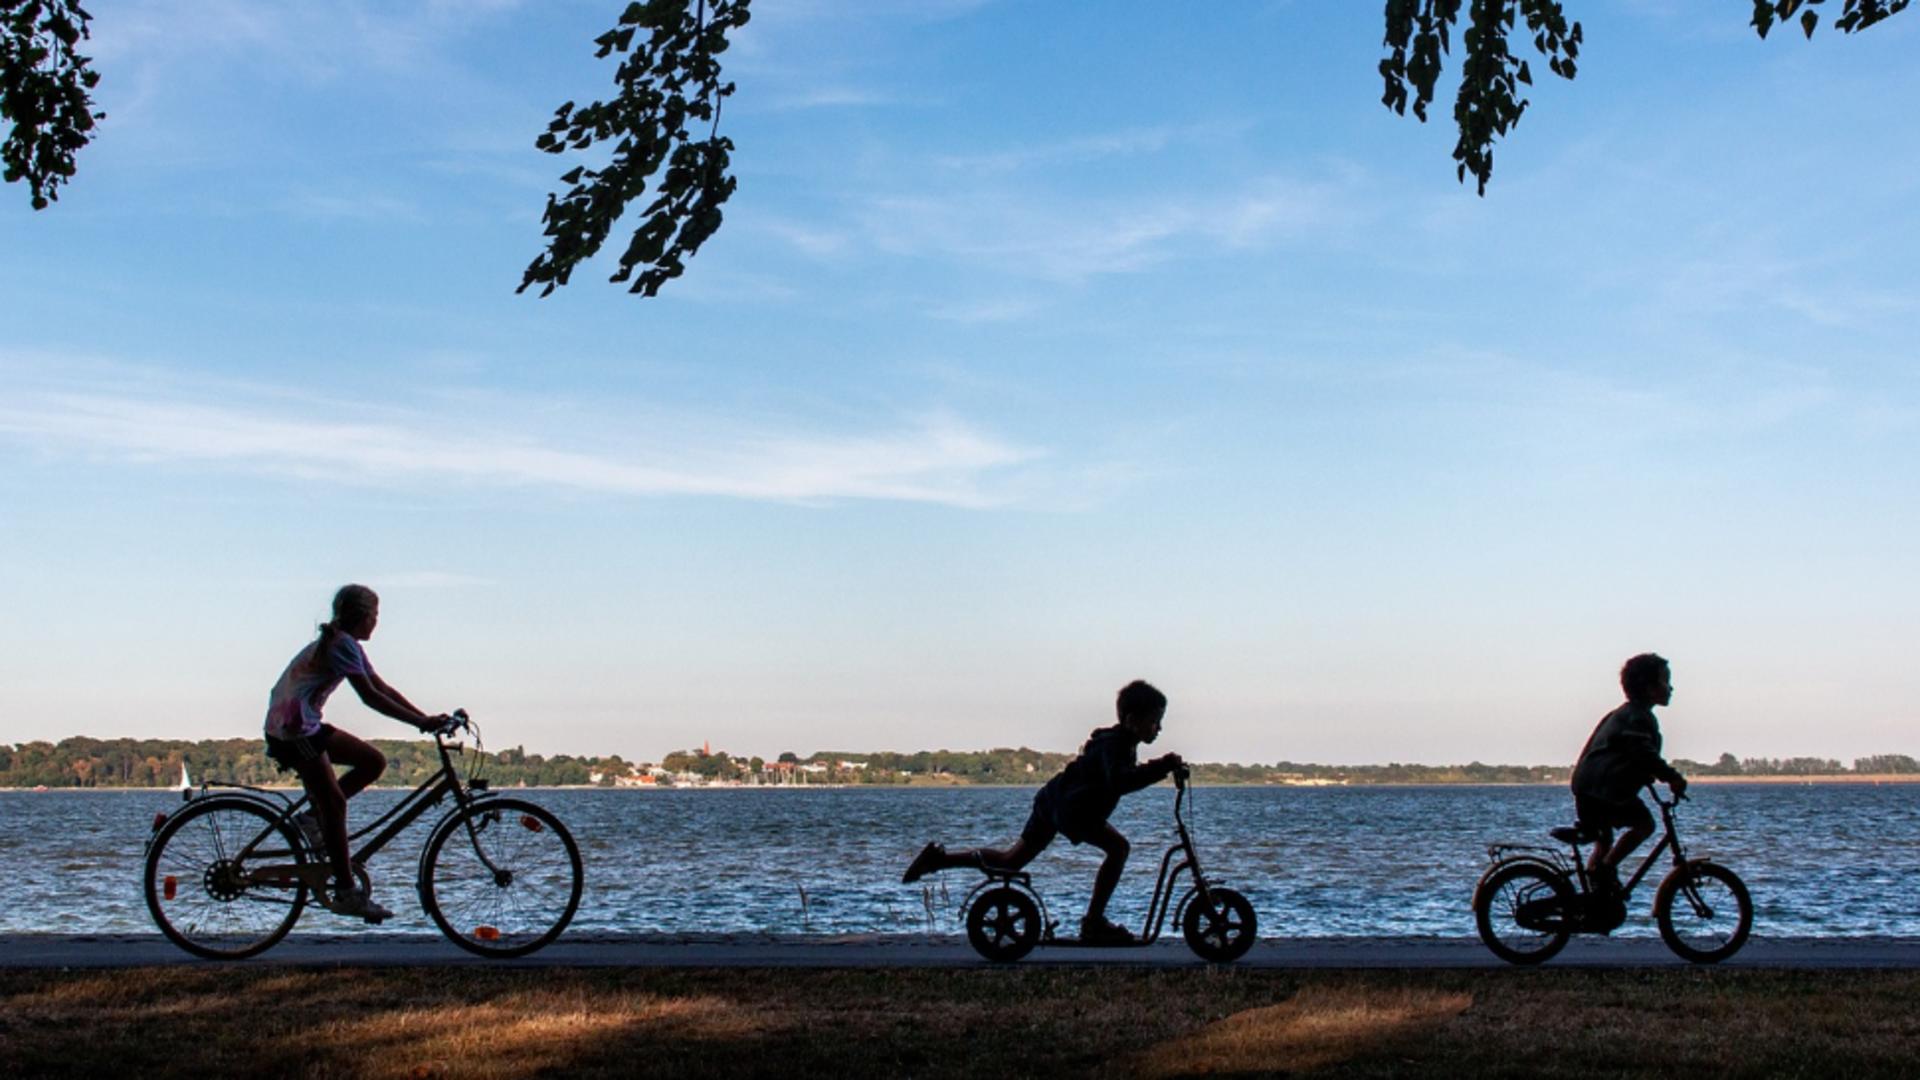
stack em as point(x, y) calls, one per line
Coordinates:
point(1127, 777)
point(374, 693)
point(387, 689)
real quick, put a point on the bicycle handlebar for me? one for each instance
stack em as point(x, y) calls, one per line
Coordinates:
point(1678, 796)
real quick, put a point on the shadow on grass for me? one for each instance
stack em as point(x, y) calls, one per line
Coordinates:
point(1319, 1026)
point(473, 1022)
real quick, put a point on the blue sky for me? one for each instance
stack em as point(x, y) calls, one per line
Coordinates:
point(1045, 346)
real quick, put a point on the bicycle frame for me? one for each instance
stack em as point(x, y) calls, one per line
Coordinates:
point(1670, 839)
point(445, 781)
point(1575, 869)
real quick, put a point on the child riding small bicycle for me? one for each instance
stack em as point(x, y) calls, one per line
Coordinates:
point(1621, 757)
point(1077, 803)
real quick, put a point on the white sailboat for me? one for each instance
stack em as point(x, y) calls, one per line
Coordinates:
point(185, 783)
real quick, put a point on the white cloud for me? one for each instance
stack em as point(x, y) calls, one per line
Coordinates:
point(1074, 239)
point(143, 417)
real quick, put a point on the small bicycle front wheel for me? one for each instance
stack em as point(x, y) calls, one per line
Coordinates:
point(1003, 925)
point(224, 878)
point(1524, 912)
point(502, 878)
point(1704, 912)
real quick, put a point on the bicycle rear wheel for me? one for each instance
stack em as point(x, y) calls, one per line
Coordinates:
point(1704, 912)
point(502, 878)
point(1524, 912)
point(222, 878)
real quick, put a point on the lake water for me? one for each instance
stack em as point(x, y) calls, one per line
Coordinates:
point(1834, 859)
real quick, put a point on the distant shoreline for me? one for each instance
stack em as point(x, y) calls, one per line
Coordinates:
point(1773, 781)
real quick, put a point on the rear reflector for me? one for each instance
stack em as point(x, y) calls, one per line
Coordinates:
point(532, 823)
point(169, 887)
point(486, 933)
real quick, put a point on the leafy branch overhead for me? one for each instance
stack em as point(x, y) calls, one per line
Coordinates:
point(669, 78)
point(45, 91)
point(1488, 103)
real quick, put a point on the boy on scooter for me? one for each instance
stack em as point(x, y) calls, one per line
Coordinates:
point(1621, 757)
point(1077, 803)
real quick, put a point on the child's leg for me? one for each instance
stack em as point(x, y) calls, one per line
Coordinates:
point(363, 760)
point(1010, 858)
point(1635, 835)
point(330, 810)
point(1109, 840)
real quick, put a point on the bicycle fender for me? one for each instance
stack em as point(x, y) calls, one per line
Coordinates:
point(1674, 873)
point(223, 799)
point(1547, 865)
point(476, 800)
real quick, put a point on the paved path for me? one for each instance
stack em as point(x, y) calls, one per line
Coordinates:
point(875, 951)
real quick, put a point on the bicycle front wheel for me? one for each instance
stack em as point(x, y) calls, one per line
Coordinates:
point(1704, 912)
point(502, 878)
point(224, 878)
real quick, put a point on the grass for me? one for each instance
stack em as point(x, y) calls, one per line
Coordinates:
point(462, 1022)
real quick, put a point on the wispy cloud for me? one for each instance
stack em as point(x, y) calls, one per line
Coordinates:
point(1131, 142)
point(933, 458)
point(1075, 239)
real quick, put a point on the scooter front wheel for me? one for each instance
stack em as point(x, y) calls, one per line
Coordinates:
point(1003, 925)
point(1219, 926)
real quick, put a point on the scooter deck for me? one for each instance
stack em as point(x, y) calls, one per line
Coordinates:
point(1077, 943)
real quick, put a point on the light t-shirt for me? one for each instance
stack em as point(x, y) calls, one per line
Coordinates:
point(293, 709)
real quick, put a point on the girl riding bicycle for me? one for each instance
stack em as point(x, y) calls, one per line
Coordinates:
point(298, 740)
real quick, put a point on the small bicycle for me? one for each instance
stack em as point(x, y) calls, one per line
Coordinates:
point(1533, 898)
point(228, 876)
point(1007, 919)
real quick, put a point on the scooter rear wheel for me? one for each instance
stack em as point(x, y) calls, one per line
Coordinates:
point(1222, 931)
point(1003, 925)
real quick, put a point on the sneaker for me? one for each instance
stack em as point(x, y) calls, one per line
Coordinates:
point(358, 904)
point(924, 863)
point(310, 828)
point(1098, 931)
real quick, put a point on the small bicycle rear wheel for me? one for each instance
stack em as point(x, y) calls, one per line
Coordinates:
point(1704, 912)
point(1222, 931)
point(502, 877)
point(1003, 925)
point(1524, 912)
point(223, 878)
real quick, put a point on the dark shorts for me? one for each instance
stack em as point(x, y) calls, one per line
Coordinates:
point(1046, 822)
point(292, 753)
point(1605, 815)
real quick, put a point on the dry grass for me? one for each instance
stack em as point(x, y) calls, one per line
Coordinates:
point(465, 1022)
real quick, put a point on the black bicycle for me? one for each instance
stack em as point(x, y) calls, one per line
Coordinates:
point(228, 876)
point(1533, 898)
point(1007, 919)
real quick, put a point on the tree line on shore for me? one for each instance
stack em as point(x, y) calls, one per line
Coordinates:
point(82, 762)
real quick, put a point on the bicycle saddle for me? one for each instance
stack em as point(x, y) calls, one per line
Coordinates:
point(1573, 834)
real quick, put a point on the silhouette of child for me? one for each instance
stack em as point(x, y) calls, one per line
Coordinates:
point(1077, 803)
point(1621, 757)
point(300, 742)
